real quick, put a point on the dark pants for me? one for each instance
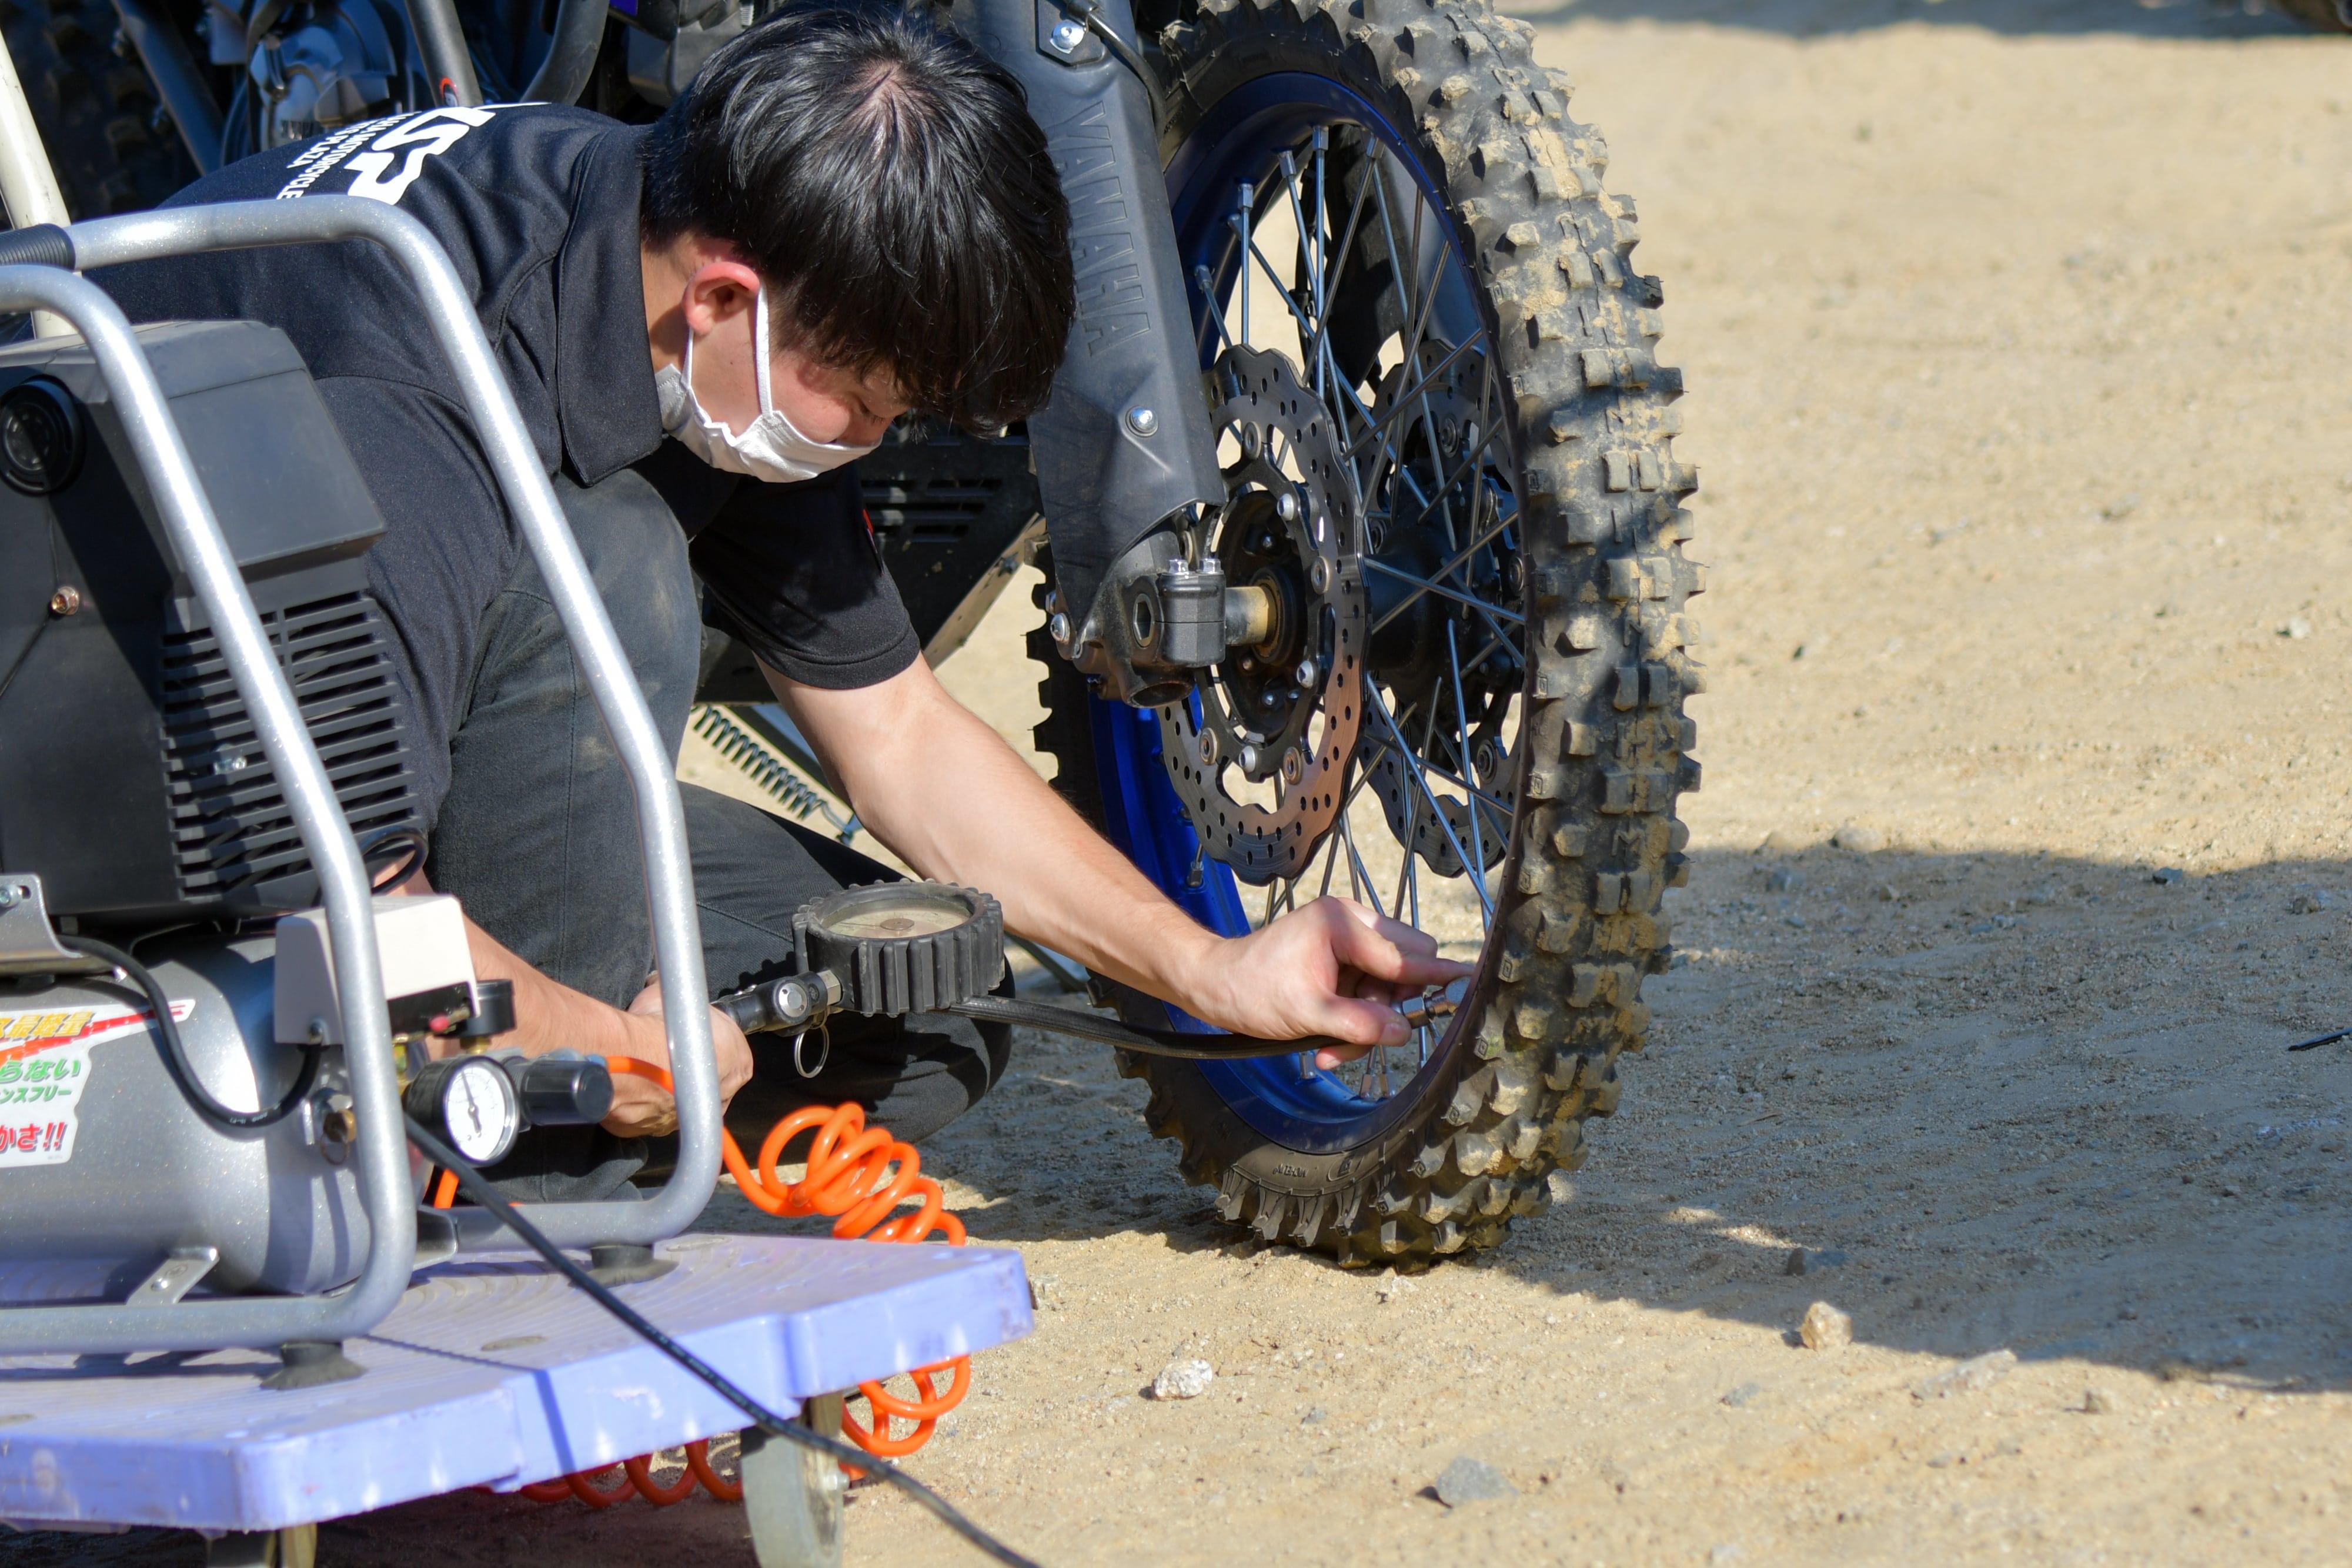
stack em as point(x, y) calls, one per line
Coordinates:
point(538, 837)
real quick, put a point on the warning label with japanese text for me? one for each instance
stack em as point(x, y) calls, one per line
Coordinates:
point(44, 1067)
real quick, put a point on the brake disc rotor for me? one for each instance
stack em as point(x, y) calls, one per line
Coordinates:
point(1410, 652)
point(1281, 714)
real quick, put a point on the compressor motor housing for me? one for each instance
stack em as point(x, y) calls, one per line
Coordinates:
point(137, 800)
point(131, 780)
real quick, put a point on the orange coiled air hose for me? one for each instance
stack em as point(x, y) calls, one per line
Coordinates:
point(857, 1175)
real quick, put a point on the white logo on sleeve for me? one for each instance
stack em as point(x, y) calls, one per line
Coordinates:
point(419, 136)
point(435, 131)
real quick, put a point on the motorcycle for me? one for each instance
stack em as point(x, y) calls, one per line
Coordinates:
point(1364, 550)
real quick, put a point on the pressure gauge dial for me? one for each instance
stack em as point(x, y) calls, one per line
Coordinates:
point(471, 1102)
point(899, 947)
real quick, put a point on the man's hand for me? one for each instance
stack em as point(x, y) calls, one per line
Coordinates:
point(1332, 968)
point(641, 1108)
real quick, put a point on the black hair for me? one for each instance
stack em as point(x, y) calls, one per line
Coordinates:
point(886, 180)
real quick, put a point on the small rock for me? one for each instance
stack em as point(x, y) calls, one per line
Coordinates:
point(1825, 1327)
point(2310, 902)
point(1746, 1392)
point(1949, 1457)
point(1827, 1258)
point(1978, 1372)
point(1862, 841)
point(1316, 1415)
point(1467, 1480)
point(1182, 1380)
point(2116, 511)
point(2127, 1314)
point(1391, 1286)
point(2296, 627)
point(2098, 1401)
point(1726, 1552)
point(2169, 876)
point(1796, 1263)
point(1784, 879)
point(1887, 894)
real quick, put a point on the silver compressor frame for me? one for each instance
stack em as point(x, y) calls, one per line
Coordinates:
point(381, 1148)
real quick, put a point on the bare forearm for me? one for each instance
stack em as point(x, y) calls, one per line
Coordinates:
point(550, 1017)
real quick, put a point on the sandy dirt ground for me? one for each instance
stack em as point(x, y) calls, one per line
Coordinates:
point(2016, 339)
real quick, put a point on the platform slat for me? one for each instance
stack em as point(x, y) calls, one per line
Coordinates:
point(492, 1371)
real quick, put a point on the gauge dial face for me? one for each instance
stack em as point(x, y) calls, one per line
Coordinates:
point(911, 916)
point(478, 1111)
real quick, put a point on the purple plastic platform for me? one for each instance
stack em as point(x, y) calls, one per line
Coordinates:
point(491, 1372)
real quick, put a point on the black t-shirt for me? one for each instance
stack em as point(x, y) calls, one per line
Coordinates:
point(537, 206)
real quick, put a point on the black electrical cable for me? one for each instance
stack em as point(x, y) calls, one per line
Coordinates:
point(176, 1049)
point(1087, 13)
point(470, 1182)
point(1143, 1042)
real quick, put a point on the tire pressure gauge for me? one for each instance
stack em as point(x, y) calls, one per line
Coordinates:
point(901, 948)
point(471, 1102)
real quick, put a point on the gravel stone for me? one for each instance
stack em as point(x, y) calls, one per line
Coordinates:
point(1796, 1263)
point(2098, 1401)
point(1978, 1372)
point(1746, 1392)
point(1469, 1480)
point(1182, 1380)
point(2169, 876)
point(1825, 1327)
point(1862, 841)
point(1784, 879)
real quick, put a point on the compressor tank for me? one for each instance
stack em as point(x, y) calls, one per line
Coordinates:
point(105, 1168)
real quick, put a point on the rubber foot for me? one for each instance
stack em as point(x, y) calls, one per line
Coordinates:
point(313, 1364)
point(625, 1263)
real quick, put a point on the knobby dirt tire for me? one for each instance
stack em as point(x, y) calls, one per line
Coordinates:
point(96, 110)
point(1605, 748)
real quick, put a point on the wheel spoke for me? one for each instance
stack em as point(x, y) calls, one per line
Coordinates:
point(1461, 752)
point(1206, 284)
point(1360, 875)
point(1417, 392)
point(1451, 566)
point(1413, 766)
point(1494, 611)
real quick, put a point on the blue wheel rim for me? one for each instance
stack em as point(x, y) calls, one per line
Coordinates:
point(1280, 1098)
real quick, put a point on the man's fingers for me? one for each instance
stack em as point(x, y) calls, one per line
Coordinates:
point(1360, 1022)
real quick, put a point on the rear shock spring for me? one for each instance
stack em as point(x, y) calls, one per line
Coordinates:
point(752, 757)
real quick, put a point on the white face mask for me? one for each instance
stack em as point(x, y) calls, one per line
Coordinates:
point(772, 448)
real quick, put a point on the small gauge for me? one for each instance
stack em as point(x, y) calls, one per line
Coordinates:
point(472, 1101)
point(900, 909)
